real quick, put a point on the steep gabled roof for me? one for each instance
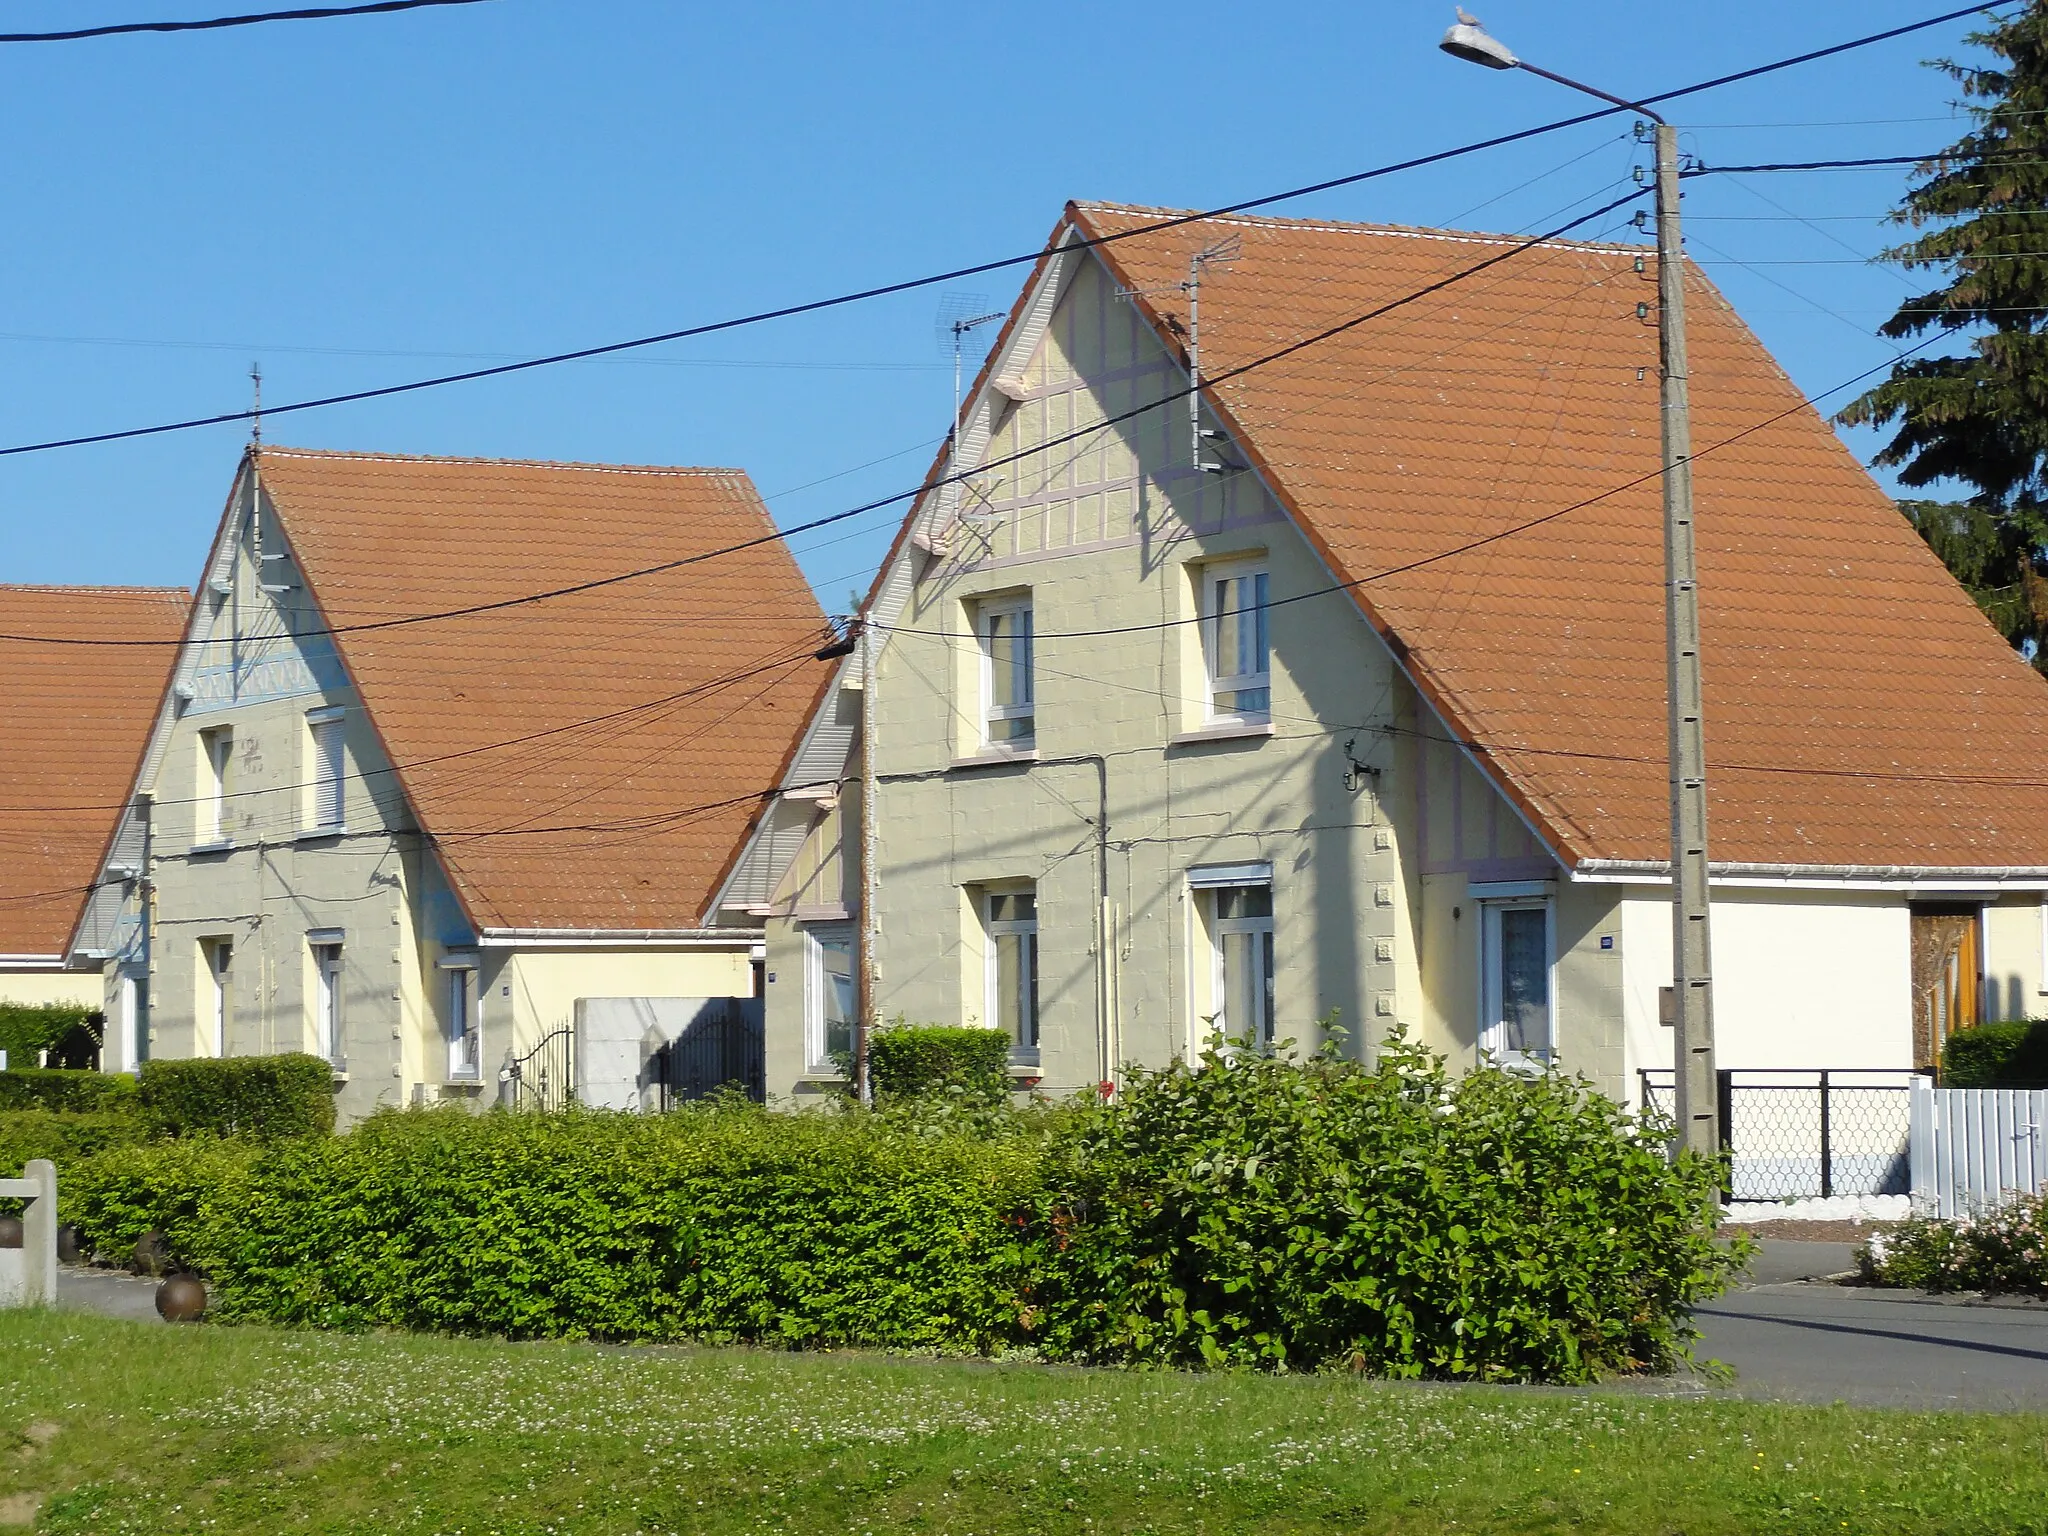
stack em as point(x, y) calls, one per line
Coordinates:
point(592, 761)
point(1860, 712)
point(75, 720)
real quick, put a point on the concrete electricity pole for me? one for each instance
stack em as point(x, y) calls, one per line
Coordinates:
point(1698, 1109)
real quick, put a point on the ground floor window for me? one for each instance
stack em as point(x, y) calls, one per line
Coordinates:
point(1236, 908)
point(829, 997)
point(1517, 1020)
point(217, 988)
point(327, 993)
point(464, 1026)
point(1012, 920)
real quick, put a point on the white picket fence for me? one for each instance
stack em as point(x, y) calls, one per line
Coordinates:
point(1972, 1149)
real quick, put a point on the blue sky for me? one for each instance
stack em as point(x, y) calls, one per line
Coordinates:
point(358, 202)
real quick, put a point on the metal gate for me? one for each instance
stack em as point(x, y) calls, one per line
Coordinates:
point(1975, 1149)
point(1801, 1135)
point(721, 1047)
point(541, 1078)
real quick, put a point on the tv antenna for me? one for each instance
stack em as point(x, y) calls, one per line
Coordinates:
point(959, 314)
point(1218, 253)
point(256, 413)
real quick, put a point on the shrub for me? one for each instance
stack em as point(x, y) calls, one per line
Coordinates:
point(721, 1222)
point(2002, 1251)
point(29, 1029)
point(1395, 1220)
point(918, 1060)
point(266, 1097)
point(187, 1190)
point(66, 1091)
point(2013, 1055)
point(63, 1138)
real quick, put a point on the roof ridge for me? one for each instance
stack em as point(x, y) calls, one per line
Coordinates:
point(96, 589)
point(268, 451)
point(1350, 226)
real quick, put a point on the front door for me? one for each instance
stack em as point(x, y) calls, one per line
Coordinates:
point(1947, 977)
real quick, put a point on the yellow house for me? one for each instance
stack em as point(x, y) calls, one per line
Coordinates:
point(1332, 692)
point(81, 669)
point(454, 758)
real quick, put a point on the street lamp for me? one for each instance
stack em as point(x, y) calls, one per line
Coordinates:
point(1693, 995)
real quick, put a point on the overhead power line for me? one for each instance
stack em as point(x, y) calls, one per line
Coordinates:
point(906, 285)
point(218, 23)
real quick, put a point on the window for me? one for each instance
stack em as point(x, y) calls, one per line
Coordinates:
point(1012, 918)
point(1009, 716)
point(465, 1034)
point(1516, 1025)
point(1236, 906)
point(1234, 642)
point(217, 992)
point(327, 1036)
point(216, 774)
point(829, 999)
point(323, 729)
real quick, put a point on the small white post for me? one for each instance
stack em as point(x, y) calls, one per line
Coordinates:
point(1920, 1146)
point(28, 1274)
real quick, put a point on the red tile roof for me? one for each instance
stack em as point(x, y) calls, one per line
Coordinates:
point(593, 761)
point(1859, 710)
point(75, 720)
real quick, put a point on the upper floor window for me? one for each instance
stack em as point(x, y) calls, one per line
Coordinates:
point(1517, 1022)
point(1009, 710)
point(327, 780)
point(1234, 642)
point(216, 784)
point(1012, 918)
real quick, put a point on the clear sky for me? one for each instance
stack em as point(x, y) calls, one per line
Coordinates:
point(358, 202)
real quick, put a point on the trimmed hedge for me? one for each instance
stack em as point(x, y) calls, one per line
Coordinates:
point(914, 1060)
point(1246, 1211)
point(66, 1091)
point(266, 1097)
point(28, 1029)
point(2011, 1055)
point(65, 1139)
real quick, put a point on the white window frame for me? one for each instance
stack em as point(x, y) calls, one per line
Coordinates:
point(1020, 1050)
point(817, 936)
point(1217, 682)
point(327, 758)
point(217, 758)
point(1493, 981)
point(1206, 882)
point(329, 962)
point(463, 1026)
point(217, 956)
point(985, 613)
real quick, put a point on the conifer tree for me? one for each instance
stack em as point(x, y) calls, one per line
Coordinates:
point(1981, 418)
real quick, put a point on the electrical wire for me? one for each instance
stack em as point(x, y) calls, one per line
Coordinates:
point(909, 284)
point(217, 23)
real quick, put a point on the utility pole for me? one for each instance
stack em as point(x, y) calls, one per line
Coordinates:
point(1698, 1109)
point(864, 1015)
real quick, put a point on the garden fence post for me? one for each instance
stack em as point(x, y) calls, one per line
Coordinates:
point(1827, 1143)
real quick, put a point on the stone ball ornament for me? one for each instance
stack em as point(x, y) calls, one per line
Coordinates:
point(181, 1299)
point(10, 1232)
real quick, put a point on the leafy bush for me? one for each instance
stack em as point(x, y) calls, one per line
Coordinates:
point(65, 1090)
point(62, 1138)
point(2013, 1055)
point(2002, 1251)
point(721, 1222)
point(1394, 1220)
point(29, 1029)
point(917, 1060)
point(183, 1189)
point(266, 1097)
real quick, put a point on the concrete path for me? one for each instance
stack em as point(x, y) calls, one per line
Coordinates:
point(109, 1292)
point(1791, 1339)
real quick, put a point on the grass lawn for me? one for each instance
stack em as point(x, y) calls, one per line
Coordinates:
point(112, 1427)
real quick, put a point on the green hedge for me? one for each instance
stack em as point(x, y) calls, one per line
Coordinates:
point(913, 1060)
point(1394, 1220)
point(266, 1097)
point(27, 1029)
point(1242, 1211)
point(65, 1139)
point(66, 1091)
point(2013, 1055)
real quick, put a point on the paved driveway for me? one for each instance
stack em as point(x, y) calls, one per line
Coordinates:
point(1792, 1339)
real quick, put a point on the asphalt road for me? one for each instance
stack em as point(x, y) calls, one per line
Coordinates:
point(1793, 1340)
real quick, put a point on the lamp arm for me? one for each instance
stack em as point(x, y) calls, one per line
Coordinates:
point(1578, 85)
